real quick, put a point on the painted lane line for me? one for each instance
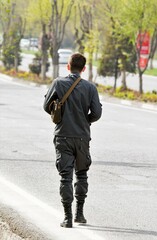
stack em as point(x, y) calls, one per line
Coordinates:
point(29, 197)
point(149, 106)
point(154, 111)
point(152, 129)
point(10, 81)
point(42, 215)
point(126, 102)
point(30, 85)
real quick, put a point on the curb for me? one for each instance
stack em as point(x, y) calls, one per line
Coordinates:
point(136, 104)
point(24, 82)
point(147, 106)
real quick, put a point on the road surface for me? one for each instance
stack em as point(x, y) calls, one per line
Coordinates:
point(122, 200)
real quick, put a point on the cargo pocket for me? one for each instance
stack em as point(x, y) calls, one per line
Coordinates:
point(58, 160)
point(89, 161)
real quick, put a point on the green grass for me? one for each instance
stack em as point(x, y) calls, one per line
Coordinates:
point(152, 72)
point(155, 56)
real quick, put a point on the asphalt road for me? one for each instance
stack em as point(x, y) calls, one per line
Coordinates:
point(122, 199)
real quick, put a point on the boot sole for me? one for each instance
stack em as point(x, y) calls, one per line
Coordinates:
point(77, 221)
point(66, 225)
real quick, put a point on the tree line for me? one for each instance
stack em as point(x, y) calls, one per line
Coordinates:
point(110, 31)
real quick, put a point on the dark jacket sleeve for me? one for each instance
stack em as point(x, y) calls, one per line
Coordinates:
point(49, 97)
point(95, 107)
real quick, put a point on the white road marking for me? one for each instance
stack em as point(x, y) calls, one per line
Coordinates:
point(42, 215)
point(148, 106)
point(130, 107)
point(152, 129)
point(126, 102)
point(131, 124)
point(134, 177)
point(10, 81)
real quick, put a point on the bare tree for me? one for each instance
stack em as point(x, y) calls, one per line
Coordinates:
point(84, 31)
point(44, 46)
point(61, 11)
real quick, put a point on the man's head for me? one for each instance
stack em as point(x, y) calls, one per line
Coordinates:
point(76, 63)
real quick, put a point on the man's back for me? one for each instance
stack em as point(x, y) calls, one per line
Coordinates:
point(80, 109)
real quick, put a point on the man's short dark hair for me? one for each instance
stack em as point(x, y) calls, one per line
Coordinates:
point(77, 62)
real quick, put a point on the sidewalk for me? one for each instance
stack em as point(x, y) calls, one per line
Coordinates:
point(33, 219)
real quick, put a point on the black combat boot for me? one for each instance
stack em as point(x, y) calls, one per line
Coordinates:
point(79, 217)
point(67, 223)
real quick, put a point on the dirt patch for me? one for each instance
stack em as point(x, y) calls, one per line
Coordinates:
point(15, 227)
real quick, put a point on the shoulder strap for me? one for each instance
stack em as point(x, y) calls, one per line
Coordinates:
point(70, 90)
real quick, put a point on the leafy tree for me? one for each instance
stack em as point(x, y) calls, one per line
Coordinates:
point(109, 60)
point(13, 26)
point(127, 59)
point(138, 17)
point(39, 12)
point(118, 54)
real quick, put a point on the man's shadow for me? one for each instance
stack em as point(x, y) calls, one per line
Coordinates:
point(117, 230)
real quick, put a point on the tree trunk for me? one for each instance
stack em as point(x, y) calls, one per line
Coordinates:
point(55, 72)
point(81, 49)
point(90, 67)
point(90, 72)
point(16, 62)
point(124, 86)
point(55, 61)
point(44, 45)
point(17, 55)
point(44, 65)
point(151, 63)
point(116, 74)
point(140, 82)
point(115, 84)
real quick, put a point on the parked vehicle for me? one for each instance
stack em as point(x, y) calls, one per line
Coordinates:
point(33, 42)
point(64, 55)
point(29, 43)
point(24, 43)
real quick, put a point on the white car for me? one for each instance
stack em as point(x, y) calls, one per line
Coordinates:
point(24, 43)
point(64, 55)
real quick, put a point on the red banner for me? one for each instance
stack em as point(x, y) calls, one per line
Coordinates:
point(143, 62)
point(143, 43)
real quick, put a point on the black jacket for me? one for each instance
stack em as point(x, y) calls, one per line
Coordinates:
point(80, 109)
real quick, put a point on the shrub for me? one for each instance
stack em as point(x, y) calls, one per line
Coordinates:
point(8, 56)
point(149, 97)
point(35, 68)
point(120, 94)
point(131, 95)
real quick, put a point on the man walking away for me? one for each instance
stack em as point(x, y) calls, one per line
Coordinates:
point(72, 135)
